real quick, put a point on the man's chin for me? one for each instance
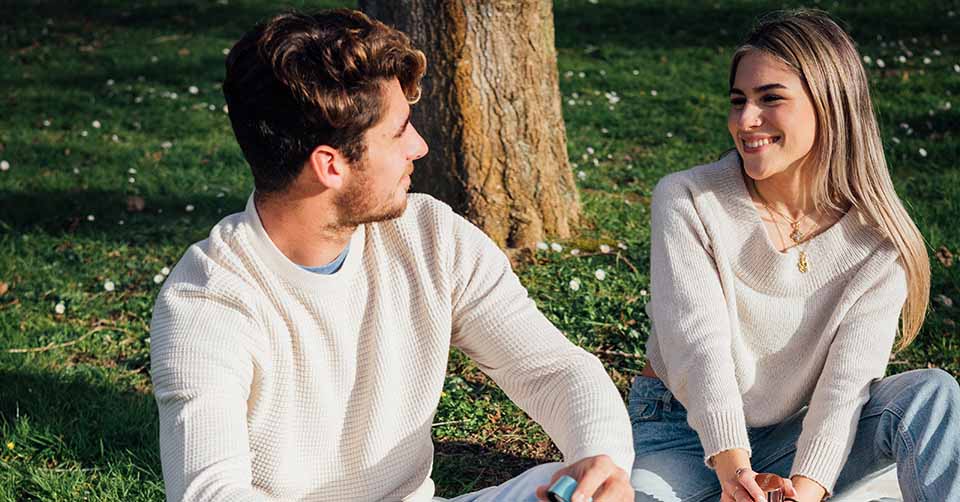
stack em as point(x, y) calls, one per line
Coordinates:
point(384, 214)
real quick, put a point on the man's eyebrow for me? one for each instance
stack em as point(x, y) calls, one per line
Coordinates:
point(762, 88)
point(403, 128)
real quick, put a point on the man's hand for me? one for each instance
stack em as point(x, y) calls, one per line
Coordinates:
point(597, 477)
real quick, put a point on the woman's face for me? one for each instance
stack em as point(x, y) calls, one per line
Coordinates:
point(771, 117)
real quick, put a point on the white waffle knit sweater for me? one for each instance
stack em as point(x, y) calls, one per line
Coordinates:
point(743, 338)
point(275, 383)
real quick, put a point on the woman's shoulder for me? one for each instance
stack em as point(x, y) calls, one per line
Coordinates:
point(717, 179)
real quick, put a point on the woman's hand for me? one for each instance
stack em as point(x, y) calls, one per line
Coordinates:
point(736, 477)
point(742, 487)
point(739, 482)
point(807, 490)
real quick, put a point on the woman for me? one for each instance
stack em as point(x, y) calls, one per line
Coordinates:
point(778, 276)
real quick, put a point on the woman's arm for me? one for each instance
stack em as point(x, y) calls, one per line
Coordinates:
point(857, 356)
point(690, 318)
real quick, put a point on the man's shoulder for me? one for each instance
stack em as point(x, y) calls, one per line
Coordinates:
point(422, 205)
point(216, 266)
point(425, 218)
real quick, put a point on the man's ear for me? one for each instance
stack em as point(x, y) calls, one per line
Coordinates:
point(328, 166)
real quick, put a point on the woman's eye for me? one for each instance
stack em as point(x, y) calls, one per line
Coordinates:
point(772, 98)
point(737, 101)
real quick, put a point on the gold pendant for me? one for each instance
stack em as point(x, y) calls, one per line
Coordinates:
point(796, 235)
point(802, 263)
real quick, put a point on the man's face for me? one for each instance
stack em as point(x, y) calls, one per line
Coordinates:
point(378, 183)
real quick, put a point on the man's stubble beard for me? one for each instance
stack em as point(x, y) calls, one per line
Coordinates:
point(354, 204)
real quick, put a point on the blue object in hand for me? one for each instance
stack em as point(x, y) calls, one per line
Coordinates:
point(562, 490)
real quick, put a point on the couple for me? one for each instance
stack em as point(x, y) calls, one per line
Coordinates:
point(299, 351)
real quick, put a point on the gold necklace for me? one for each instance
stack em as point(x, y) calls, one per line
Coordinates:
point(795, 235)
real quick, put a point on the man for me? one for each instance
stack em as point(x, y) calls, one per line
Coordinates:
point(299, 352)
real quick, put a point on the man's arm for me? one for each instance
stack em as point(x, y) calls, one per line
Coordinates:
point(202, 372)
point(562, 387)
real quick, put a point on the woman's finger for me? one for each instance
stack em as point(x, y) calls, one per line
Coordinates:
point(751, 489)
point(788, 488)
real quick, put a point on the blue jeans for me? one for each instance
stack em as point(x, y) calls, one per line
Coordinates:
point(911, 420)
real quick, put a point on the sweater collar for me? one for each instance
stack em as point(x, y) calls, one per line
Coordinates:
point(831, 254)
point(278, 263)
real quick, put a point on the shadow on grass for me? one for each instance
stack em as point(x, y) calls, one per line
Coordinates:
point(463, 467)
point(79, 422)
point(164, 219)
point(672, 24)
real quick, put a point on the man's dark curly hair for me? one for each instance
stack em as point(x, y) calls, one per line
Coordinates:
point(299, 81)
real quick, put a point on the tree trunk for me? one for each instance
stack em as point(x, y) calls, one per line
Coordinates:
point(491, 114)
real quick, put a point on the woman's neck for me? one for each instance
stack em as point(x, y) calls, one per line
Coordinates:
point(789, 193)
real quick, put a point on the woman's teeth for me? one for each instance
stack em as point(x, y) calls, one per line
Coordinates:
point(759, 143)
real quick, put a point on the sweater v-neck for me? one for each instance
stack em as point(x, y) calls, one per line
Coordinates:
point(831, 253)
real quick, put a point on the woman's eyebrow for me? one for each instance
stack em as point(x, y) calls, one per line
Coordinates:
point(762, 88)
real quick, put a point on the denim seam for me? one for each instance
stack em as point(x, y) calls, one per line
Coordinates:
point(903, 432)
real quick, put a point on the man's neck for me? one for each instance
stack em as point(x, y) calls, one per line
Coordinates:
point(304, 229)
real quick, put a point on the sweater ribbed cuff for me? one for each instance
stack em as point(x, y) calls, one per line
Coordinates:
point(821, 460)
point(721, 431)
point(621, 456)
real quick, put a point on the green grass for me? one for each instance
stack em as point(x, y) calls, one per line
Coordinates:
point(79, 422)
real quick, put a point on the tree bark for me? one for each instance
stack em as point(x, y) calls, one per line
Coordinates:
point(490, 112)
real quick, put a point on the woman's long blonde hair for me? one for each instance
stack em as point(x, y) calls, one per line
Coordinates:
point(848, 147)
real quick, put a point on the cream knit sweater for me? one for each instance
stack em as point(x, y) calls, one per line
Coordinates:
point(275, 383)
point(742, 338)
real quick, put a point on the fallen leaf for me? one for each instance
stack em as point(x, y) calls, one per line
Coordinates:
point(183, 52)
point(4, 287)
point(135, 204)
point(945, 256)
point(944, 300)
point(70, 226)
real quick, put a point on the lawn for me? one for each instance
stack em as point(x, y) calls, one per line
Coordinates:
point(117, 154)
